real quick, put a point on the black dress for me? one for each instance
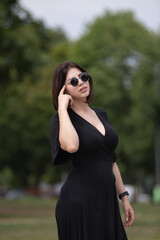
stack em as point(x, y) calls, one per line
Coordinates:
point(87, 208)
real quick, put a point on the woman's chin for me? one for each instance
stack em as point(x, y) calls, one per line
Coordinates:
point(82, 97)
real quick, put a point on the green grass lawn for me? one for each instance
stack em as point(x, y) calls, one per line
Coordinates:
point(33, 219)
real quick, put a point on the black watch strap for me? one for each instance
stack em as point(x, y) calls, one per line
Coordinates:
point(123, 194)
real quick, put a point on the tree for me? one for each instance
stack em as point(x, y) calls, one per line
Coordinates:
point(117, 50)
point(25, 43)
point(29, 50)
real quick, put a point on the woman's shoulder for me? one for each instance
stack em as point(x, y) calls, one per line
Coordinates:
point(101, 112)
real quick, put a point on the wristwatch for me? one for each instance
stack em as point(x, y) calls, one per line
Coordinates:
point(123, 194)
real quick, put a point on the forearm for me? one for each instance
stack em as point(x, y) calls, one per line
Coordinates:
point(129, 213)
point(119, 182)
point(68, 136)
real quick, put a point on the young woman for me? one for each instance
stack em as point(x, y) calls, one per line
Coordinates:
point(87, 208)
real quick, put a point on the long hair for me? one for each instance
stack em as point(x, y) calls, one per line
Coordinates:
point(59, 77)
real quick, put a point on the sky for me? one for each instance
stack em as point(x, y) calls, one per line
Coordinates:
point(73, 15)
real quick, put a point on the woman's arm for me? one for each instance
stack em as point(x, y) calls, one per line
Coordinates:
point(68, 136)
point(129, 213)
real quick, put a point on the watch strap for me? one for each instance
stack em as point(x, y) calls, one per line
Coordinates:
point(123, 194)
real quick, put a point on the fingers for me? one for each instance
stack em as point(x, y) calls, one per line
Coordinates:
point(126, 216)
point(129, 217)
point(64, 99)
point(62, 89)
point(71, 101)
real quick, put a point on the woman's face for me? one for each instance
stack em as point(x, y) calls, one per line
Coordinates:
point(82, 90)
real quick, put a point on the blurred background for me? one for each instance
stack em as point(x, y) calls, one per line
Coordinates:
point(118, 42)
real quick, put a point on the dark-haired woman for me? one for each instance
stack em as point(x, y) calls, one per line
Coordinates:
point(87, 208)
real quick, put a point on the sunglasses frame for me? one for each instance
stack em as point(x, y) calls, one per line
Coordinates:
point(74, 81)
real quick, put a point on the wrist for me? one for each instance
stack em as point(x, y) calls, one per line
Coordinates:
point(123, 195)
point(125, 199)
point(62, 109)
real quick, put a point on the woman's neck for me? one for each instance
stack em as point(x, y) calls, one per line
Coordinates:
point(79, 107)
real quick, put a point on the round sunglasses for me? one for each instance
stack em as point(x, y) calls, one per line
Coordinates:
point(84, 76)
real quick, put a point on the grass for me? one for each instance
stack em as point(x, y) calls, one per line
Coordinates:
point(147, 222)
point(27, 219)
point(33, 219)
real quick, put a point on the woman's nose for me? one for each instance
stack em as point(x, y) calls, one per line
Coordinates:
point(80, 82)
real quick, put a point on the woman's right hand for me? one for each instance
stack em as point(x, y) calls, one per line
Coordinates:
point(64, 99)
point(68, 137)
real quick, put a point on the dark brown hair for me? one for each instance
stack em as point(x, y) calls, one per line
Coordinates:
point(59, 78)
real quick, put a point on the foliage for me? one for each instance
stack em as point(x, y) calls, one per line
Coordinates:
point(25, 44)
point(118, 52)
point(27, 48)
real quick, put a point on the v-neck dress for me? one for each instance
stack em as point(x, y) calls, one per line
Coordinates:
point(88, 208)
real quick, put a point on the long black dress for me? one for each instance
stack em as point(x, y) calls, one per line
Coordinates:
point(88, 208)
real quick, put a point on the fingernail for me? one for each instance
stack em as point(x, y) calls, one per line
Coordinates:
point(126, 219)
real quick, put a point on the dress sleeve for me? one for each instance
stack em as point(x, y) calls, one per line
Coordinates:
point(59, 156)
point(114, 157)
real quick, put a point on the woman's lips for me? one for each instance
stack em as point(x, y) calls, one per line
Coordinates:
point(83, 89)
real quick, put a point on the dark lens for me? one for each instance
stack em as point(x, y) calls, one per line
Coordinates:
point(74, 82)
point(84, 76)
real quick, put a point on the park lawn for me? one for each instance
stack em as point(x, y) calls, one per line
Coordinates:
point(147, 222)
point(28, 219)
point(33, 219)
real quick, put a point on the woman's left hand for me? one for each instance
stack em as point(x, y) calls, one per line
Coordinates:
point(129, 213)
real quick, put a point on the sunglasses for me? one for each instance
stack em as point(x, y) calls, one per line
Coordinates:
point(84, 76)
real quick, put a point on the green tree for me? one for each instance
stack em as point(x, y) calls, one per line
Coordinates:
point(29, 52)
point(25, 43)
point(120, 54)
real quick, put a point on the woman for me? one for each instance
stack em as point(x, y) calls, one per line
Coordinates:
point(87, 208)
